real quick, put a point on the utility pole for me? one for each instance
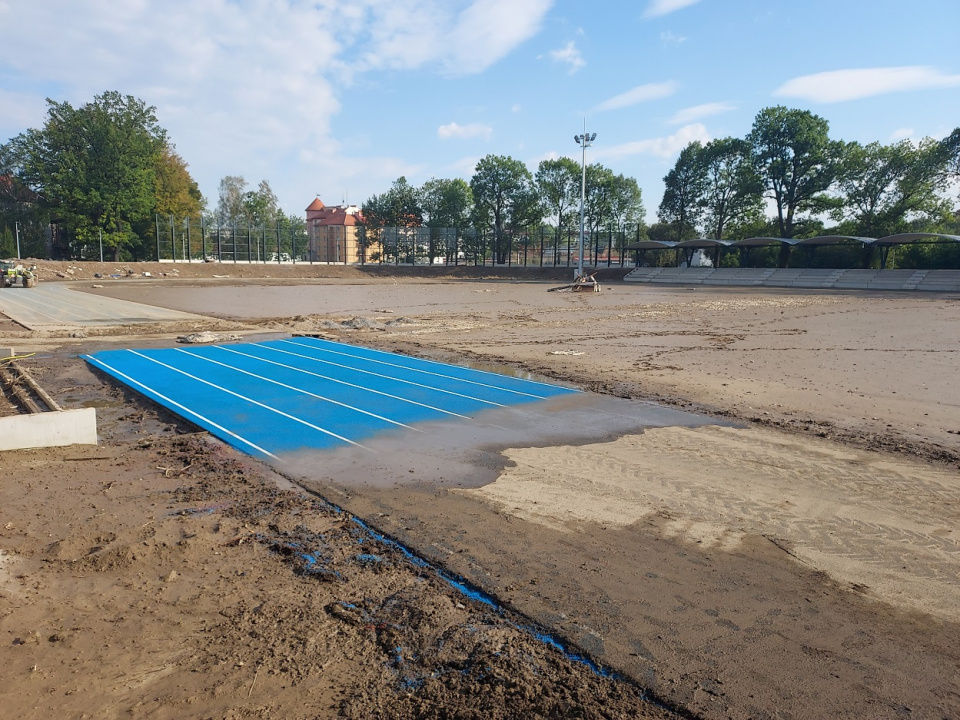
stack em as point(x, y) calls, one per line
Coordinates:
point(16, 224)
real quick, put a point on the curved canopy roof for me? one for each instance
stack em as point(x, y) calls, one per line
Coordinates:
point(904, 238)
point(835, 240)
point(762, 242)
point(650, 245)
point(703, 243)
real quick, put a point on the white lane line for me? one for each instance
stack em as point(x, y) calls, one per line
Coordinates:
point(251, 400)
point(296, 389)
point(337, 380)
point(426, 372)
point(470, 369)
point(379, 375)
point(188, 411)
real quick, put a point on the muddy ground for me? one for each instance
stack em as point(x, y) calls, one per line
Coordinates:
point(801, 563)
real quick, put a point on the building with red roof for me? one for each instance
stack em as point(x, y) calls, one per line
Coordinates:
point(332, 233)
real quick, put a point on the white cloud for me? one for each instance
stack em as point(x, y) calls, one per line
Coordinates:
point(698, 112)
point(661, 147)
point(658, 8)
point(516, 108)
point(840, 85)
point(243, 86)
point(671, 38)
point(549, 155)
point(902, 134)
point(488, 30)
point(19, 111)
point(465, 167)
point(459, 36)
point(639, 94)
point(470, 130)
point(569, 54)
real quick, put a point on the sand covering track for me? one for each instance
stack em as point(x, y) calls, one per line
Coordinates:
point(736, 572)
point(868, 521)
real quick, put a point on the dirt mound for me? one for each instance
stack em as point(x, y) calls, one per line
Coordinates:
point(53, 270)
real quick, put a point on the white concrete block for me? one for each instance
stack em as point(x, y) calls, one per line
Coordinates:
point(49, 429)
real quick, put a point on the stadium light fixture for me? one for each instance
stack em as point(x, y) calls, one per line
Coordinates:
point(584, 141)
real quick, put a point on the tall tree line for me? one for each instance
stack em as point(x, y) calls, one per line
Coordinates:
point(789, 166)
point(503, 197)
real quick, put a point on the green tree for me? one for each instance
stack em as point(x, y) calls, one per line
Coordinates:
point(558, 182)
point(230, 206)
point(293, 240)
point(504, 199)
point(598, 200)
point(21, 213)
point(626, 203)
point(398, 207)
point(8, 247)
point(885, 187)
point(951, 154)
point(797, 163)
point(686, 185)
point(95, 167)
point(260, 206)
point(446, 203)
point(662, 232)
point(732, 193)
point(612, 202)
point(176, 192)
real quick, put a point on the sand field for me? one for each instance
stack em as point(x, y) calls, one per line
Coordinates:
point(794, 557)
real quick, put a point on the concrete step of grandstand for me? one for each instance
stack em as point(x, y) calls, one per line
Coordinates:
point(810, 278)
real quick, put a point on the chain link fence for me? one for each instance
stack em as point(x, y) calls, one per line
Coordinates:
point(544, 246)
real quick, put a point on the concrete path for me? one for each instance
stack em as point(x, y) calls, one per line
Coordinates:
point(56, 305)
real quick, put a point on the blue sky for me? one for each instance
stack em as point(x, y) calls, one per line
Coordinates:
point(340, 97)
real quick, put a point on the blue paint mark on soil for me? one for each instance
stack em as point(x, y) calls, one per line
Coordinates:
point(468, 590)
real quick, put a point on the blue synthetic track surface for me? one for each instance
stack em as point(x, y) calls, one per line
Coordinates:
point(269, 398)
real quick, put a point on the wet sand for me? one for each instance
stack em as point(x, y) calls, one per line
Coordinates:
point(800, 569)
point(797, 558)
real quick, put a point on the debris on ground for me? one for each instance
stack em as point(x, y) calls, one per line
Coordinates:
point(207, 337)
point(581, 283)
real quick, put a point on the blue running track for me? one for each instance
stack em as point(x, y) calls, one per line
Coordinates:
point(282, 396)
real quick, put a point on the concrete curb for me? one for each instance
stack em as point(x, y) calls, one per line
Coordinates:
point(49, 429)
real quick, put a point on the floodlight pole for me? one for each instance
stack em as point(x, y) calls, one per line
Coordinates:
point(584, 141)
